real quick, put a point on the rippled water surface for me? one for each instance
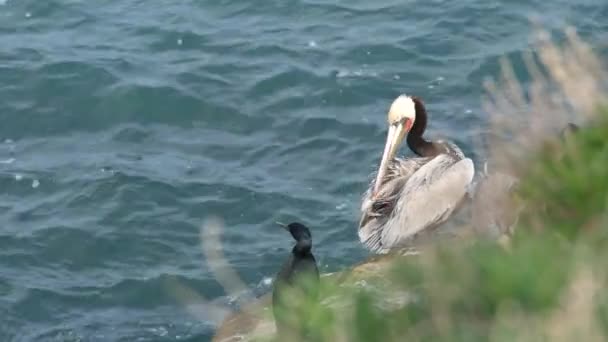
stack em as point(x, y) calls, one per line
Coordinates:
point(125, 123)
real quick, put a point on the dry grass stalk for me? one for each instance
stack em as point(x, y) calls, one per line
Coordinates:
point(567, 83)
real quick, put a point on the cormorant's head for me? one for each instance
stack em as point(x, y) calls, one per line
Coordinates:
point(300, 233)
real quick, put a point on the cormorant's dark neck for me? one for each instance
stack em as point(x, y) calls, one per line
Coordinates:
point(302, 248)
point(415, 141)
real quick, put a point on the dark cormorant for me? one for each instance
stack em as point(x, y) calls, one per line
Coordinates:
point(295, 285)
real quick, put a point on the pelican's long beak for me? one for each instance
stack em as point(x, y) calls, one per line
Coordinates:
point(395, 135)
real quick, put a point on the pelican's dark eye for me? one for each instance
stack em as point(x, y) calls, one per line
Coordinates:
point(382, 206)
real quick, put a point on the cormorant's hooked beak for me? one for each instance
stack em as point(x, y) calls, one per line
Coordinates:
point(285, 226)
point(395, 135)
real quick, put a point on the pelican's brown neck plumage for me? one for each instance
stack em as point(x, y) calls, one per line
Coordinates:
point(415, 141)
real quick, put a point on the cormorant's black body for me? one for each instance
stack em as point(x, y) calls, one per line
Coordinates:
point(299, 274)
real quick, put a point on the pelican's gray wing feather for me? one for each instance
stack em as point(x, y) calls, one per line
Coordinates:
point(375, 212)
point(428, 198)
point(398, 172)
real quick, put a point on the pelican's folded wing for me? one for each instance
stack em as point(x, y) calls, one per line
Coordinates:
point(375, 212)
point(429, 197)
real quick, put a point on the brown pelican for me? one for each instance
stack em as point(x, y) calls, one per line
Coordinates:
point(409, 196)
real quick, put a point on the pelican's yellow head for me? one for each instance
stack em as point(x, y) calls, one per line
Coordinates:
point(403, 108)
point(401, 117)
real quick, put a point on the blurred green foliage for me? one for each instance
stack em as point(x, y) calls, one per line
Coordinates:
point(564, 188)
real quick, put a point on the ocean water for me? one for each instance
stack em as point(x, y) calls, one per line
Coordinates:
point(124, 124)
